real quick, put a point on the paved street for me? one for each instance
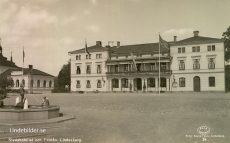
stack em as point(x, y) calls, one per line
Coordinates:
point(135, 118)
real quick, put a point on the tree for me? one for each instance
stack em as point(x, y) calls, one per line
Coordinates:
point(226, 36)
point(64, 75)
point(5, 81)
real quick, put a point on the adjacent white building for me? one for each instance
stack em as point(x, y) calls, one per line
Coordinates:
point(198, 64)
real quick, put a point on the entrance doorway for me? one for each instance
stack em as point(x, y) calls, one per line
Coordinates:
point(196, 84)
point(138, 83)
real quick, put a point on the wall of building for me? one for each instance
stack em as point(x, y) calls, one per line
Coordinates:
point(93, 76)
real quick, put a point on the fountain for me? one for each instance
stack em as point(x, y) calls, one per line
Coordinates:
point(23, 111)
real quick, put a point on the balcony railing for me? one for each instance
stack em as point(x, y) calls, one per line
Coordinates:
point(139, 73)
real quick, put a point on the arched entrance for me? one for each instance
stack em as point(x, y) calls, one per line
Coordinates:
point(138, 84)
point(196, 84)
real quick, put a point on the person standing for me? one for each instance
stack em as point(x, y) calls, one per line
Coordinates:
point(22, 92)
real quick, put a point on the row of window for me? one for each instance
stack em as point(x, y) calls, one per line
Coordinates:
point(196, 64)
point(88, 69)
point(32, 83)
point(196, 49)
point(140, 68)
point(88, 84)
point(212, 82)
point(88, 56)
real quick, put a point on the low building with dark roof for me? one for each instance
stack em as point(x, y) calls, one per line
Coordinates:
point(33, 80)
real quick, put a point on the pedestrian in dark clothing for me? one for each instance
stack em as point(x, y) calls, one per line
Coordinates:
point(22, 92)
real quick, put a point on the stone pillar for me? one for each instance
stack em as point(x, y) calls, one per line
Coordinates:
point(133, 84)
point(156, 84)
point(119, 84)
point(167, 84)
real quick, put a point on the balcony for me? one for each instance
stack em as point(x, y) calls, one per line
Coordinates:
point(139, 73)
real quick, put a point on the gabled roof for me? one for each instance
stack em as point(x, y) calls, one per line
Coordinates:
point(95, 48)
point(197, 40)
point(26, 71)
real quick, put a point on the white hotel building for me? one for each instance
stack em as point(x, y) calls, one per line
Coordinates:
point(193, 64)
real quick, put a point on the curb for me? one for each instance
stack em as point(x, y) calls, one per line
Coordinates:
point(54, 120)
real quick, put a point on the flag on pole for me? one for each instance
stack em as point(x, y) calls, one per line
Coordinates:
point(86, 49)
point(23, 54)
point(163, 43)
point(134, 62)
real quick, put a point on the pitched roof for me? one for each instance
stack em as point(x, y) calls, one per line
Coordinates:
point(197, 40)
point(126, 49)
point(26, 71)
point(95, 48)
point(5, 62)
point(139, 49)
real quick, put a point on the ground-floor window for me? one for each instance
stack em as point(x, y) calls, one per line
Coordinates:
point(163, 82)
point(99, 84)
point(211, 81)
point(116, 83)
point(78, 85)
point(151, 82)
point(182, 82)
point(50, 84)
point(38, 83)
point(126, 83)
point(88, 85)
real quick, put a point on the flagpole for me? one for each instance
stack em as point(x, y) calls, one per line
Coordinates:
point(85, 67)
point(159, 66)
point(23, 66)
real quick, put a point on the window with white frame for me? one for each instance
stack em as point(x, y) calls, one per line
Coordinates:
point(78, 70)
point(211, 63)
point(98, 56)
point(152, 82)
point(99, 84)
point(88, 56)
point(116, 68)
point(196, 49)
point(196, 64)
point(88, 69)
point(126, 67)
point(152, 66)
point(211, 48)
point(182, 82)
point(212, 81)
point(98, 68)
point(181, 65)
point(181, 50)
point(88, 85)
point(78, 57)
point(78, 85)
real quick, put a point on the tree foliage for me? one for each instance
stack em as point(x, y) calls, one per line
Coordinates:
point(226, 36)
point(5, 81)
point(64, 75)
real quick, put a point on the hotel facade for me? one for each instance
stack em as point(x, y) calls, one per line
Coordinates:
point(194, 64)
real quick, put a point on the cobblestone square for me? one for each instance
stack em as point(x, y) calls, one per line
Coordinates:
point(134, 117)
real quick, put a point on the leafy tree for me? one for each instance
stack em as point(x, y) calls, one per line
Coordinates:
point(5, 81)
point(56, 81)
point(64, 75)
point(226, 36)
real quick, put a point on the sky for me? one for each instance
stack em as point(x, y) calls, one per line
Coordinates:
point(49, 29)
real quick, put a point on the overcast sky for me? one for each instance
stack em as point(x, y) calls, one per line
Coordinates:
point(49, 29)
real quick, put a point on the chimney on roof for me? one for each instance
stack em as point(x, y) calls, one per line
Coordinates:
point(110, 43)
point(30, 66)
point(118, 44)
point(174, 38)
point(98, 43)
point(196, 33)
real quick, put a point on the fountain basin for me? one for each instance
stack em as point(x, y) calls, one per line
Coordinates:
point(35, 112)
